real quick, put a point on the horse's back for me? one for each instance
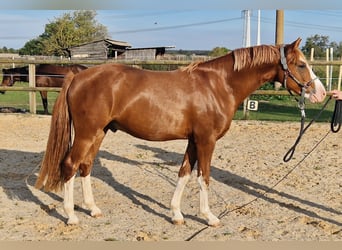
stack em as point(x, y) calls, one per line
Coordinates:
point(59, 69)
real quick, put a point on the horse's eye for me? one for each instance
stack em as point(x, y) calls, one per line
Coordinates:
point(301, 65)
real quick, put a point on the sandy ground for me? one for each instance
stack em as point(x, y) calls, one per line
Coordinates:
point(134, 181)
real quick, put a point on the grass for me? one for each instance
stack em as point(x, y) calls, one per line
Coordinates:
point(271, 108)
point(287, 110)
point(20, 99)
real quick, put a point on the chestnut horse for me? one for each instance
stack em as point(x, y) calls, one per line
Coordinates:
point(47, 75)
point(196, 103)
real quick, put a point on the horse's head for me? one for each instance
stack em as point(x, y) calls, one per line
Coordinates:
point(7, 79)
point(10, 76)
point(296, 74)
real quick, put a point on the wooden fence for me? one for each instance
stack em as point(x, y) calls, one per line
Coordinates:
point(32, 89)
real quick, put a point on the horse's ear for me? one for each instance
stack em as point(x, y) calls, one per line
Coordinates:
point(296, 43)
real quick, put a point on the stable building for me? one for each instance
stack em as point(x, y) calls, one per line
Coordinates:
point(112, 49)
point(100, 49)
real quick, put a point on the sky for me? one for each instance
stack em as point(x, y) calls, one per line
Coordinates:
point(195, 29)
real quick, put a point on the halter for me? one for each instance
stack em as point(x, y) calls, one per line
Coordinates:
point(288, 73)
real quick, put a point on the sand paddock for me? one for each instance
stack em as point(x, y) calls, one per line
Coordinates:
point(133, 182)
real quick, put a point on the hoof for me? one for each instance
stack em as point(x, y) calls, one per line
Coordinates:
point(178, 222)
point(73, 221)
point(96, 213)
point(214, 223)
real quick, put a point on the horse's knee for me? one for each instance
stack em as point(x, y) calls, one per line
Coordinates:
point(85, 169)
point(68, 169)
point(185, 169)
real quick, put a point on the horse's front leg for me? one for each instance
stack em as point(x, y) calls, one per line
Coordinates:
point(204, 154)
point(69, 201)
point(89, 198)
point(177, 217)
point(204, 203)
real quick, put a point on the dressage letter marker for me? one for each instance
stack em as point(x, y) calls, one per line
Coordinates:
point(252, 105)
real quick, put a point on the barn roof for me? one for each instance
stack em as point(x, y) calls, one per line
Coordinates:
point(159, 47)
point(109, 42)
point(120, 43)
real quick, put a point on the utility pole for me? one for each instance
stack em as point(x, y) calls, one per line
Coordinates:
point(279, 37)
point(246, 43)
point(247, 28)
point(258, 29)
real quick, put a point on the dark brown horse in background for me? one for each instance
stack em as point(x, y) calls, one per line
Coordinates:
point(196, 103)
point(47, 75)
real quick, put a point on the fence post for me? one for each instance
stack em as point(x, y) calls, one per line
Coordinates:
point(32, 83)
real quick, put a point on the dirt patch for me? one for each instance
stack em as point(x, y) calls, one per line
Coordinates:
point(133, 182)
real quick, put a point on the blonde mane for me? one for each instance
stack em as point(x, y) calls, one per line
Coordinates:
point(253, 56)
point(191, 67)
point(245, 58)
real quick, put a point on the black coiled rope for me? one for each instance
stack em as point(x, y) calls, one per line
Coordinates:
point(336, 119)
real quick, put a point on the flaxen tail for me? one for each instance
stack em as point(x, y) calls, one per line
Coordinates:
point(58, 143)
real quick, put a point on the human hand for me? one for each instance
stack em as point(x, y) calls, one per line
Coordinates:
point(336, 94)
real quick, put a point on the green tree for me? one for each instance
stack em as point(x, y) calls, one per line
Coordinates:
point(218, 51)
point(319, 42)
point(32, 47)
point(4, 49)
point(337, 48)
point(63, 32)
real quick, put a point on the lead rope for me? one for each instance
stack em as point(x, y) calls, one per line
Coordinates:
point(288, 156)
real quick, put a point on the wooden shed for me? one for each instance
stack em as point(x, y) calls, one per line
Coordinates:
point(150, 53)
point(100, 49)
point(108, 49)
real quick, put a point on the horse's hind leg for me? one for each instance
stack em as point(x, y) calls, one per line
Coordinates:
point(88, 197)
point(85, 171)
point(183, 178)
point(80, 156)
point(69, 201)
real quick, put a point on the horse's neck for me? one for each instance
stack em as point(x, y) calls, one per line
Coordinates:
point(250, 80)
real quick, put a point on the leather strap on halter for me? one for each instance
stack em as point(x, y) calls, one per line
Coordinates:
point(287, 73)
point(283, 59)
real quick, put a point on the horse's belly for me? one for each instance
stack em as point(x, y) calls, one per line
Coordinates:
point(155, 128)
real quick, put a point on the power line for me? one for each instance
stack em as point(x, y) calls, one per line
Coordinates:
point(303, 25)
point(328, 13)
point(176, 26)
point(140, 14)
